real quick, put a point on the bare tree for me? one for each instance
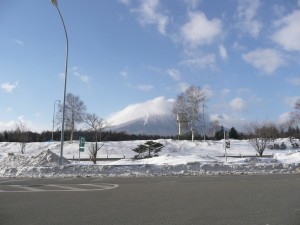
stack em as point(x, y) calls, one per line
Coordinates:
point(22, 135)
point(214, 126)
point(74, 113)
point(295, 115)
point(189, 104)
point(96, 125)
point(260, 135)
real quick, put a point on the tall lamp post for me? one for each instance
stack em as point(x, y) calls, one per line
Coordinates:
point(54, 2)
point(53, 118)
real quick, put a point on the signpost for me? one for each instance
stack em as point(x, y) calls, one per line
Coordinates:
point(81, 146)
point(225, 145)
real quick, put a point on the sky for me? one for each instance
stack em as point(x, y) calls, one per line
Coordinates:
point(244, 54)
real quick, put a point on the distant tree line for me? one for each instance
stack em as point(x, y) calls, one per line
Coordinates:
point(14, 136)
point(232, 133)
point(274, 133)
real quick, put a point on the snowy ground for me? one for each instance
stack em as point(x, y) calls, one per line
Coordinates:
point(176, 158)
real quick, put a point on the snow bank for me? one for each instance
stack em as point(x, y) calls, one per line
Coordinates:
point(14, 165)
point(46, 158)
point(176, 158)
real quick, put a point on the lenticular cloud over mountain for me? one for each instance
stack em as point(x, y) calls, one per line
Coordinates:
point(156, 106)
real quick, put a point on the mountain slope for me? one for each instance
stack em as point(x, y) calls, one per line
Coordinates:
point(157, 124)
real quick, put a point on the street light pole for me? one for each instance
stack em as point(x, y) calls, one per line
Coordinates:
point(53, 118)
point(54, 2)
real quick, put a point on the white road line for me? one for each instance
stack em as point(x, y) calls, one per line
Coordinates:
point(102, 186)
point(59, 187)
point(28, 188)
point(11, 180)
point(66, 187)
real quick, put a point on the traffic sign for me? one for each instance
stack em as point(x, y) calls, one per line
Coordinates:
point(81, 144)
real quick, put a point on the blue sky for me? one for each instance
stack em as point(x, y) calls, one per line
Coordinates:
point(245, 55)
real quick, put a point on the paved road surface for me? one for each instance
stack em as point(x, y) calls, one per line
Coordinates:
point(214, 200)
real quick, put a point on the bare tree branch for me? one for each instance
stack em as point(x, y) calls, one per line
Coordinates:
point(96, 125)
point(22, 134)
point(74, 113)
point(261, 134)
point(188, 103)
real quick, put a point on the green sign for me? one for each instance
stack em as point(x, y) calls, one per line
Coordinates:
point(81, 144)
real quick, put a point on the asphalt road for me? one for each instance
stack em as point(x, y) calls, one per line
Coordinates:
point(207, 200)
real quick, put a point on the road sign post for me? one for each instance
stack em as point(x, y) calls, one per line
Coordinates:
point(81, 146)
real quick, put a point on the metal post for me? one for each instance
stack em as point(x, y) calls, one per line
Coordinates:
point(203, 123)
point(79, 155)
point(225, 145)
point(53, 119)
point(54, 2)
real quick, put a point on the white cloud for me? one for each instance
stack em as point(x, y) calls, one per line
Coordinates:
point(199, 30)
point(288, 35)
point(9, 87)
point(175, 74)
point(192, 4)
point(10, 125)
point(238, 46)
point(82, 77)
point(223, 52)
point(61, 76)
point(225, 92)
point(156, 69)
point(208, 91)
point(157, 105)
point(290, 101)
point(279, 10)
point(125, 2)
point(124, 73)
point(8, 109)
point(37, 114)
point(182, 86)
point(294, 81)
point(267, 60)
point(229, 121)
point(19, 42)
point(246, 13)
point(237, 105)
point(284, 118)
point(149, 13)
point(145, 87)
point(204, 61)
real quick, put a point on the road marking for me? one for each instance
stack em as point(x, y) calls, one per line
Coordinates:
point(28, 188)
point(102, 186)
point(9, 180)
point(56, 187)
point(67, 188)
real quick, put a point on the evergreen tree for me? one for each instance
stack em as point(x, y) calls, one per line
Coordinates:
point(219, 135)
point(233, 133)
point(150, 147)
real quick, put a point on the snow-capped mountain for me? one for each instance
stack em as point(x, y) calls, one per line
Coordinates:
point(155, 124)
point(153, 117)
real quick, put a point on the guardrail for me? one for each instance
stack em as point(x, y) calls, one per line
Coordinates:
point(98, 159)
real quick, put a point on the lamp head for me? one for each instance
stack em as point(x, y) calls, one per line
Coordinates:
point(54, 2)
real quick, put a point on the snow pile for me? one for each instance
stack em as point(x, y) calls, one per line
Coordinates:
point(12, 161)
point(176, 158)
point(46, 158)
point(22, 165)
point(289, 157)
